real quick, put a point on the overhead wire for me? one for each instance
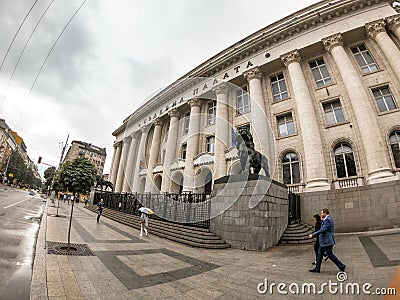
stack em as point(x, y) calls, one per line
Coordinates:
point(27, 42)
point(54, 44)
point(15, 35)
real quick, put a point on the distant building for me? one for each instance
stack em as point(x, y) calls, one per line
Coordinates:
point(7, 144)
point(95, 154)
point(21, 147)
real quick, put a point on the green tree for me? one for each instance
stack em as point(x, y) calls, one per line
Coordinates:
point(76, 176)
point(49, 174)
point(16, 166)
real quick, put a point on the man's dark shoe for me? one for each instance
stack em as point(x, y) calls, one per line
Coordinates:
point(342, 269)
point(314, 271)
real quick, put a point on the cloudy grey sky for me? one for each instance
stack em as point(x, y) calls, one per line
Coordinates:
point(109, 59)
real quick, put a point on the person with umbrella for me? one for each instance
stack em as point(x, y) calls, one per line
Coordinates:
point(144, 219)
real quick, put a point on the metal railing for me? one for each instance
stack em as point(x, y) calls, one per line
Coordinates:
point(185, 208)
point(294, 208)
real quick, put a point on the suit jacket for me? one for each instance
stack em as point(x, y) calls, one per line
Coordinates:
point(326, 234)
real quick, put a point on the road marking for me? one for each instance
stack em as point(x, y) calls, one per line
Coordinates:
point(15, 203)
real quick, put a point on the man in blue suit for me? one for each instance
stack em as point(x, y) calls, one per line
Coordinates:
point(326, 242)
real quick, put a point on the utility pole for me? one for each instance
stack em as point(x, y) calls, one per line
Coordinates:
point(63, 151)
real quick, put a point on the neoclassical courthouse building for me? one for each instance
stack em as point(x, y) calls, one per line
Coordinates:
point(318, 89)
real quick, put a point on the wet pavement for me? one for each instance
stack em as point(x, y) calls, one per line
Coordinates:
point(126, 266)
point(19, 225)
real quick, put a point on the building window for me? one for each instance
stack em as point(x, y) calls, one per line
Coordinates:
point(183, 152)
point(291, 168)
point(364, 59)
point(186, 123)
point(279, 89)
point(394, 141)
point(333, 112)
point(344, 160)
point(320, 72)
point(384, 99)
point(242, 101)
point(285, 125)
point(210, 144)
point(212, 112)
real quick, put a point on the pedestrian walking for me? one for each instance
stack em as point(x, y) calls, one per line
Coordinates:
point(326, 242)
point(144, 223)
point(99, 209)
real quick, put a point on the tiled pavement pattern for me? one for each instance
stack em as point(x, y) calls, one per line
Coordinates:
point(126, 266)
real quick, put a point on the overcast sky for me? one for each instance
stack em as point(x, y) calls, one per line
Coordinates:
point(109, 59)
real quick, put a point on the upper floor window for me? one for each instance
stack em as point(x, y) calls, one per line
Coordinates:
point(364, 59)
point(285, 125)
point(291, 168)
point(333, 112)
point(183, 152)
point(279, 89)
point(242, 101)
point(344, 160)
point(320, 72)
point(384, 99)
point(186, 123)
point(212, 112)
point(210, 144)
point(394, 140)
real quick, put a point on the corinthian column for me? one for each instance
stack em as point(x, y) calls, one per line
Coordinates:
point(130, 163)
point(373, 143)
point(122, 163)
point(115, 162)
point(394, 24)
point(221, 130)
point(170, 150)
point(377, 31)
point(140, 159)
point(307, 116)
point(261, 132)
point(192, 144)
point(154, 152)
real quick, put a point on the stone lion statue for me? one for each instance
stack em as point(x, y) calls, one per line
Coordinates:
point(248, 156)
point(103, 183)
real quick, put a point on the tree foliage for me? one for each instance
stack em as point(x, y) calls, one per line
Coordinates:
point(76, 176)
point(48, 176)
point(20, 171)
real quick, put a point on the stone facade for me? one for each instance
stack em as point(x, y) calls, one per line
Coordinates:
point(318, 89)
point(257, 228)
point(370, 207)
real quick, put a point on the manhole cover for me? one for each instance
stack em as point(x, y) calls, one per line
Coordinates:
point(60, 248)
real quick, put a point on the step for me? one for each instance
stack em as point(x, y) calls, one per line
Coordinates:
point(202, 238)
point(299, 231)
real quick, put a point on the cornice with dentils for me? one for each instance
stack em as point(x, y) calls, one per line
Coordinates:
point(260, 41)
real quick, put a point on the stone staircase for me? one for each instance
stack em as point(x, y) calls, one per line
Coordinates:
point(296, 234)
point(184, 234)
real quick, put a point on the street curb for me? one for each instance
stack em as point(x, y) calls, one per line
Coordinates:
point(39, 274)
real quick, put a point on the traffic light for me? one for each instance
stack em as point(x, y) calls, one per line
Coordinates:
point(40, 160)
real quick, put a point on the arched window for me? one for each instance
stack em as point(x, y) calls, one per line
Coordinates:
point(394, 141)
point(291, 168)
point(345, 162)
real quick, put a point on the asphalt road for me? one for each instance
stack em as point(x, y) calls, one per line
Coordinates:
point(19, 224)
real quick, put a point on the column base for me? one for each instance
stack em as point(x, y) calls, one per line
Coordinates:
point(317, 184)
point(380, 175)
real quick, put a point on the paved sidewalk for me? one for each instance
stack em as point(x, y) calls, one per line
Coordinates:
point(125, 266)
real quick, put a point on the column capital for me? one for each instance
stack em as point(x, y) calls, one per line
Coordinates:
point(158, 122)
point(144, 129)
point(332, 41)
point(195, 102)
point(135, 134)
point(126, 139)
point(375, 27)
point(221, 89)
point(253, 73)
point(393, 22)
point(117, 144)
point(292, 56)
point(174, 113)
